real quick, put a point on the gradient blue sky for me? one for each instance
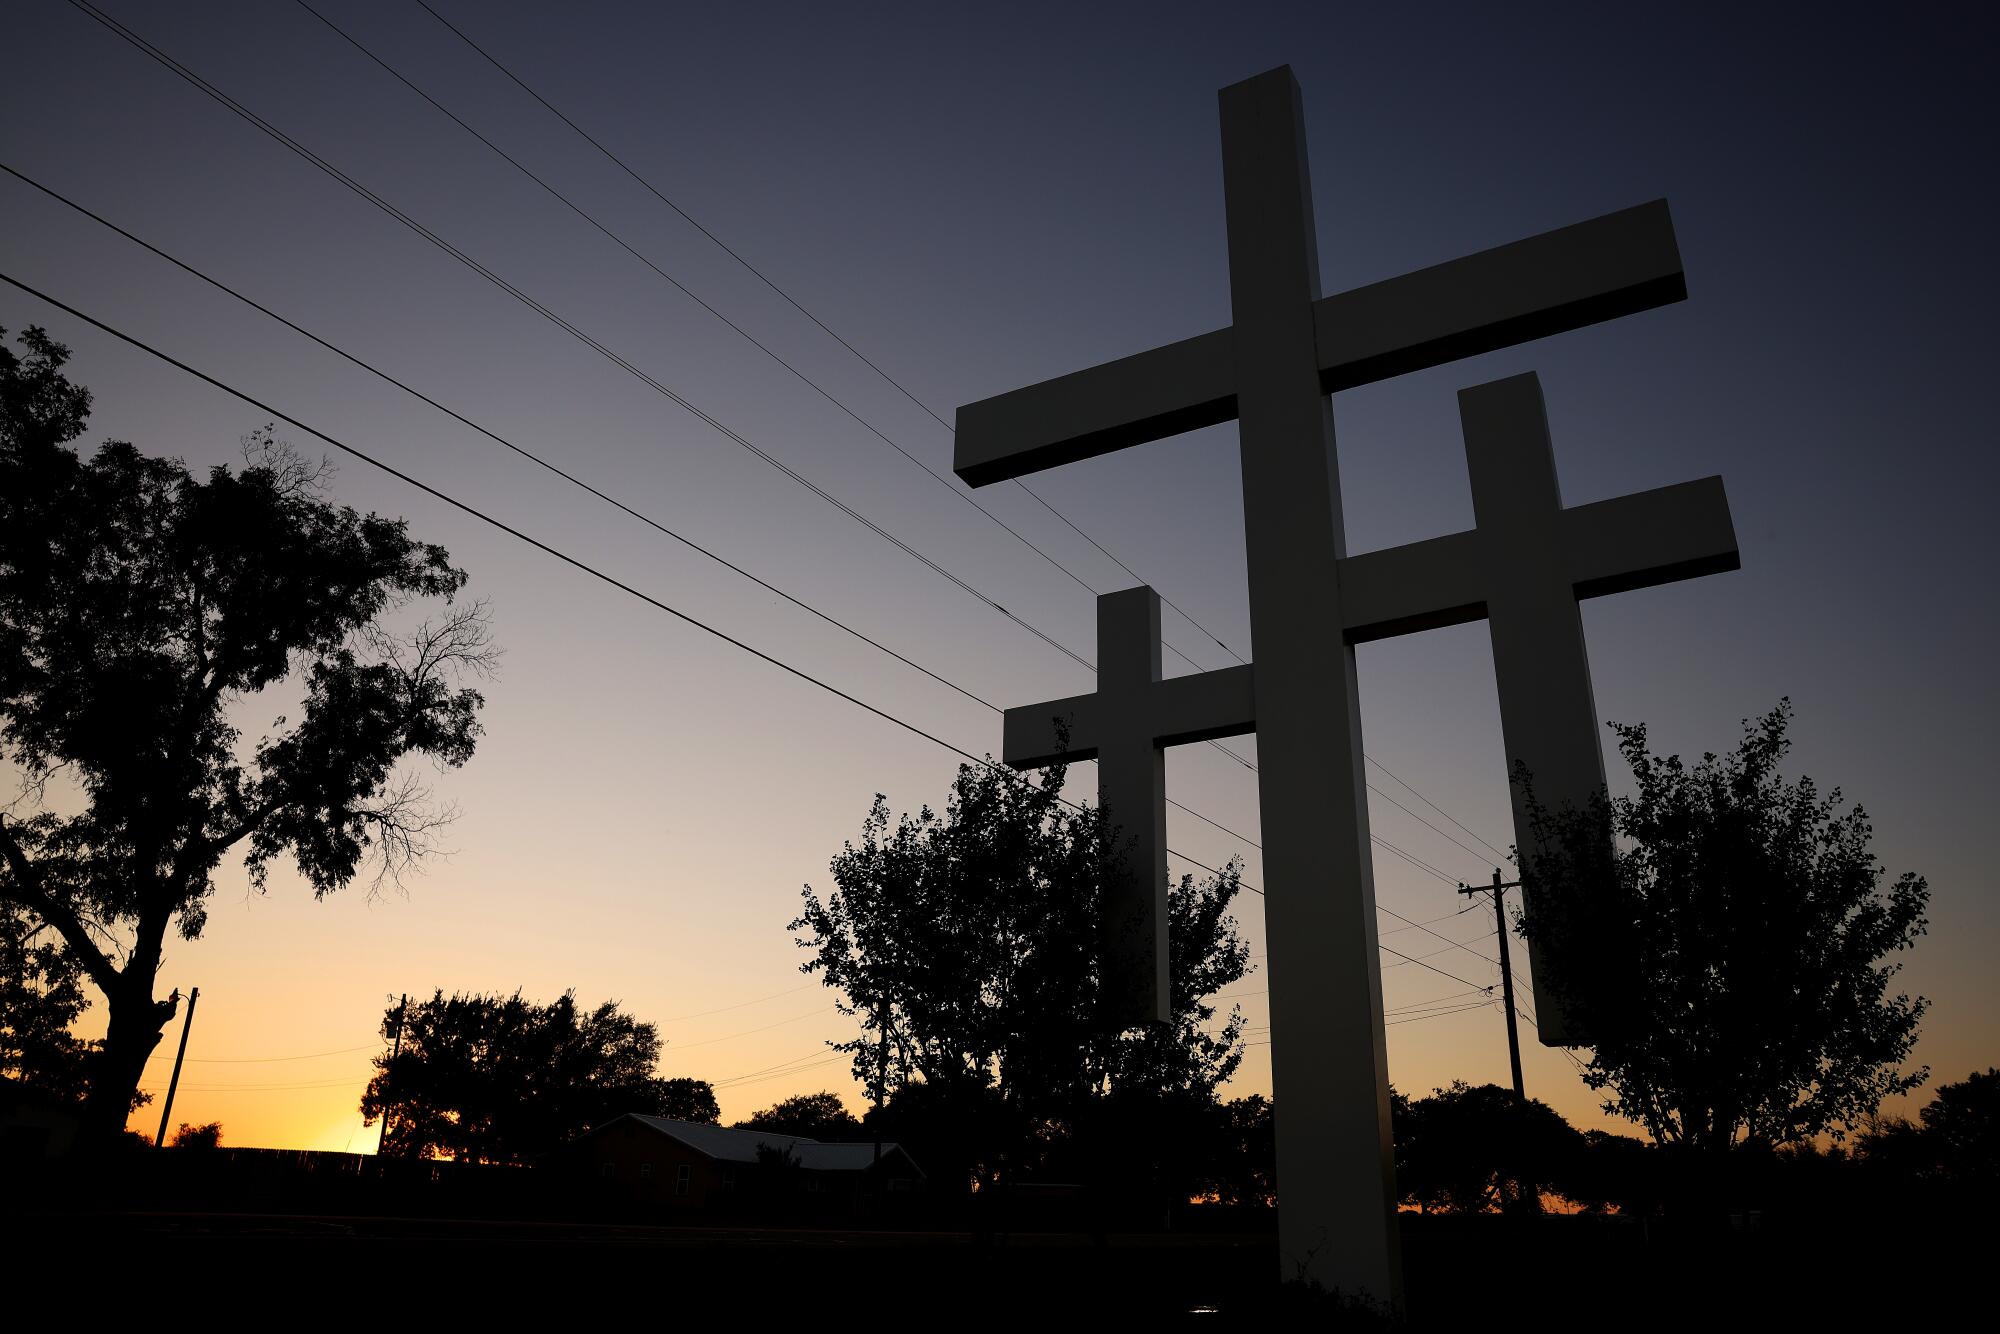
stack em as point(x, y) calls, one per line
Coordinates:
point(978, 199)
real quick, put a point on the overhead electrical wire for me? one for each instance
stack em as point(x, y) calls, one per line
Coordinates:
point(794, 303)
point(439, 241)
point(891, 381)
point(381, 203)
point(587, 487)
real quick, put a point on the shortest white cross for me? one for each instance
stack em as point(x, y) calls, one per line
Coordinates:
point(1124, 726)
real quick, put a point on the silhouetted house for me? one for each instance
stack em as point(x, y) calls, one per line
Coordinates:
point(692, 1165)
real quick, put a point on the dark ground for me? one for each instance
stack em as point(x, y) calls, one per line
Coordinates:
point(1461, 1272)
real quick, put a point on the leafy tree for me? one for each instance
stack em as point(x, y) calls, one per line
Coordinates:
point(141, 607)
point(1242, 1166)
point(685, 1100)
point(1956, 1138)
point(207, 1136)
point(819, 1116)
point(1473, 1149)
point(1963, 1121)
point(501, 1079)
point(41, 996)
point(965, 944)
point(1722, 941)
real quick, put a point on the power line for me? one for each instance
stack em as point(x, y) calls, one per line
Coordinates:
point(488, 519)
point(1442, 1014)
point(551, 467)
point(266, 1060)
point(535, 542)
point(873, 366)
point(384, 205)
point(793, 302)
point(494, 436)
point(666, 391)
point(1412, 926)
point(1420, 926)
point(1439, 809)
point(1445, 949)
point(731, 1037)
point(681, 287)
point(1464, 981)
point(740, 1005)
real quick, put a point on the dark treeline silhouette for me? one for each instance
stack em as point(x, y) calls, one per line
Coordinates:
point(1729, 952)
point(820, 1116)
point(208, 1135)
point(501, 1079)
point(140, 604)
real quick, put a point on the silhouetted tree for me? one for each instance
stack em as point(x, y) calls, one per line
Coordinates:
point(1721, 942)
point(208, 1136)
point(1242, 1166)
point(1474, 1148)
point(1955, 1140)
point(140, 607)
point(501, 1079)
point(970, 938)
point(819, 1116)
point(41, 996)
point(685, 1100)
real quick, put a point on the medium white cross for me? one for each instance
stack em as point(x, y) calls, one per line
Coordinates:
point(1272, 370)
point(1524, 568)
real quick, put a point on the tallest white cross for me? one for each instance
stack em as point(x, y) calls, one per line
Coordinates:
point(1310, 603)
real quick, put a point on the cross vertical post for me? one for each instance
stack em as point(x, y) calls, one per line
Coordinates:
point(1330, 1073)
point(1131, 791)
point(1548, 715)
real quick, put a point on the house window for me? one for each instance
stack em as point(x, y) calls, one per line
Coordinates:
point(729, 1178)
point(606, 1170)
point(645, 1171)
point(683, 1178)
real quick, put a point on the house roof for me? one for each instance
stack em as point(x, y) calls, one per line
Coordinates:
point(741, 1146)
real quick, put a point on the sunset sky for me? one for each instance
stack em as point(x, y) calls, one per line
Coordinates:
point(977, 202)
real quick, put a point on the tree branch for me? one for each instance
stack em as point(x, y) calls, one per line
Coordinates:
point(28, 893)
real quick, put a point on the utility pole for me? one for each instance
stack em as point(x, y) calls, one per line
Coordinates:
point(1499, 891)
point(402, 1008)
point(187, 1022)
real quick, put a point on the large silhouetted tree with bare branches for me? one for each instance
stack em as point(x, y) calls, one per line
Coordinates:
point(141, 606)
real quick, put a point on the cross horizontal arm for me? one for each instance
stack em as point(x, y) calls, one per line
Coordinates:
point(1167, 391)
point(1202, 707)
point(1575, 276)
point(1570, 278)
point(1610, 546)
point(1653, 537)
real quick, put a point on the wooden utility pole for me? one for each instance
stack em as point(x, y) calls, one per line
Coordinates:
point(1499, 891)
point(187, 1022)
point(395, 1050)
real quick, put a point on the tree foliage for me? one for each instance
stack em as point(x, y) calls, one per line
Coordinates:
point(1955, 1139)
point(820, 1116)
point(205, 1136)
point(41, 997)
point(1722, 940)
point(965, 943)
point(141, 606)
point(501, 1079)
point(684, 1099)
point(1476, 1148)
